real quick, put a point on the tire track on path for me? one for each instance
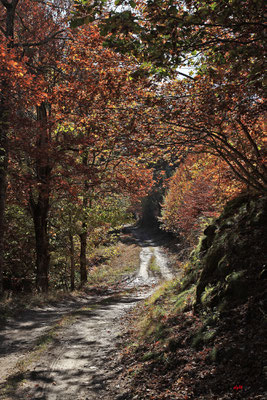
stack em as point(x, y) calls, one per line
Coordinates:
point(78, 365)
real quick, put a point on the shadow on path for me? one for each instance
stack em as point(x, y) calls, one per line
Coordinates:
point(77, 363)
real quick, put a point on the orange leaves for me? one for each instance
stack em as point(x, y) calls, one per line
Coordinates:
point(96, 101)
point(197, 192)
point(9, 63)
point(133, 179)
point(24, 88)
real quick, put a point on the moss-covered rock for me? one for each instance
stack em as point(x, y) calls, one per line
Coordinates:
point(231, 255)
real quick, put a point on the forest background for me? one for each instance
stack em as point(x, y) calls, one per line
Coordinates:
point(95, 113)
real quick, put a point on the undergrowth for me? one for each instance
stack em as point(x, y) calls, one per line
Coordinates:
point(120, 260)
point(107, 268)
point(162, 306)
point(202, 336)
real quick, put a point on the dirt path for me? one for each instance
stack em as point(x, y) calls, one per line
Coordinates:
point(77, 364)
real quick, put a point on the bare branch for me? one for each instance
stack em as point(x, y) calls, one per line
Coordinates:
point(41, 42)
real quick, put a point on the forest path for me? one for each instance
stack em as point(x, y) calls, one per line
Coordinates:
point(79, 362)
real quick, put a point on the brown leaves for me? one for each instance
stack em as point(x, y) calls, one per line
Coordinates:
point(197, 192)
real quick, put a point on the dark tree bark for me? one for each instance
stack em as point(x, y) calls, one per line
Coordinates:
point(83, 235)
point(40, 213)
point(10, 15)
point(83, 241)
point(41, 206)
point(72, 264)
point(4, 126)
point(3, 181)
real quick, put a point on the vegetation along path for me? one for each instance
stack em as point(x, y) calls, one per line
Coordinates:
point(70, 347)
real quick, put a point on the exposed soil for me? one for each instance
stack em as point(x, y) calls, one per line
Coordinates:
point(78, 361)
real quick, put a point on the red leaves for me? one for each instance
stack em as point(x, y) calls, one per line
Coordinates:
point(196, 193)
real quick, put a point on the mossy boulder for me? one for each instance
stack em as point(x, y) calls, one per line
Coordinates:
point(232, 256)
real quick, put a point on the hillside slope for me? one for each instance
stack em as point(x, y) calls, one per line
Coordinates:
point(202, 337)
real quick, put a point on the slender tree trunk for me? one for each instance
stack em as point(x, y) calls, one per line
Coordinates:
point(40, 212)
point(3, 183)
point(72, 265)
point(83, 235)
point(83, 240)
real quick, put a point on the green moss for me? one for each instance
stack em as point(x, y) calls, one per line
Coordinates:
point(209, 335)
point(167, 300)
point(206, 295)
point(236, 255)
point(197, 340)
point(150, 355)
point(237, 285)
point(223, 265)
point(194, 268)
point(167, 288)
point(153, 266)
point(234, 276)
point(211, 319)
point(213, 355)
point(184, 298)
point(203, 337)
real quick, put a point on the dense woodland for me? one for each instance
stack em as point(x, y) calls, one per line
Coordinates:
point(123, 118)
point(100, 103)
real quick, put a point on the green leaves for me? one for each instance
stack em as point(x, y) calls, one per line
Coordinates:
point(120, 22)
point(123, 2)
point(132, 4)
point(75, 23)
point(86, 12)
point(213, 6)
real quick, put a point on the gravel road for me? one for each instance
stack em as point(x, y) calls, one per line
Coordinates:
point(79, 363)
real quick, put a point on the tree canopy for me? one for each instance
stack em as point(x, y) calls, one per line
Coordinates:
point(94, 105)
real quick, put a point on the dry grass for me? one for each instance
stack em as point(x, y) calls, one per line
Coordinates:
point(120, 260)
point(12, 304)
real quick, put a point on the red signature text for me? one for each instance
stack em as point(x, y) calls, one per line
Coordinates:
point(240, 387)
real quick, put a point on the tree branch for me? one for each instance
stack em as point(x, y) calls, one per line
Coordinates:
point(42, 42)
point(6, 4)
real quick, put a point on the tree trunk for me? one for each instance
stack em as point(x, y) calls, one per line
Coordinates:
point(83, 235)
point(3, 182)
point(72, 265)
point(40, 207)
point(40, 212)
point(9, 33)
point(83, 240)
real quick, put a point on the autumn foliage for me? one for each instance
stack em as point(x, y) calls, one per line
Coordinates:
point(66, 137)
point(196, 193)
point(81, 122)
